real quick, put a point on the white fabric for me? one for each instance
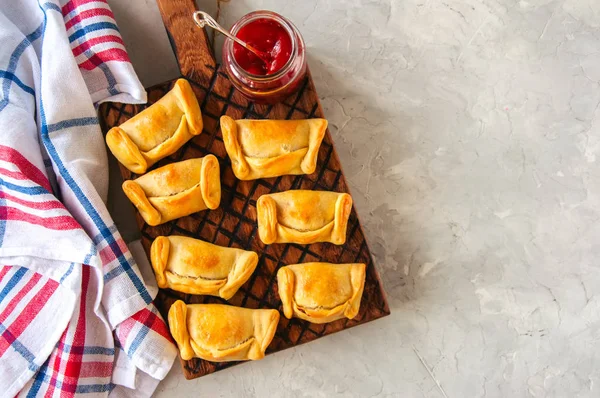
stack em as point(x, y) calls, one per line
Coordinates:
point(92, 281)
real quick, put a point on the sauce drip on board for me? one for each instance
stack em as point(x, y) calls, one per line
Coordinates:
point(268, 36)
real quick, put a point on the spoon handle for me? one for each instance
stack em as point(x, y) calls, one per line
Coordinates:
point(202, 19)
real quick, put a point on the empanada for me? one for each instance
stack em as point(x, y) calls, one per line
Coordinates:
point(176, 190)
point(271, 148)
point(220, 333)
point(192, 266)
point(303, 217)
point(158, 131)
point(321, 292)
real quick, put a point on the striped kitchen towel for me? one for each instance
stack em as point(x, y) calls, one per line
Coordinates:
point(75, 314)
point(95, 41)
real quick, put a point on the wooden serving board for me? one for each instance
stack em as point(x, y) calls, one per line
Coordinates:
point(234, 222)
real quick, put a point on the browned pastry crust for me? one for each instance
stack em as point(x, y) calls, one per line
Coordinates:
point(302, 216)
point(220, 333)
point(192, 266)
point(158, 131)
point(321, 292)
point(271, 148)
point(176, 190)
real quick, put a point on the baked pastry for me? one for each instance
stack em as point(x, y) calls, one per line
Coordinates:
point(192, 266)
point(176, 190)
point(303, 217)
point(158, 131)
point(271, 148)
point(220, 333)
point(321, 292)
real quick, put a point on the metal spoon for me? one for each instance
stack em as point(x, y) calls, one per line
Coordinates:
point(202, 19)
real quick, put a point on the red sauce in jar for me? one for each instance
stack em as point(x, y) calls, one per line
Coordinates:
point(268, 36)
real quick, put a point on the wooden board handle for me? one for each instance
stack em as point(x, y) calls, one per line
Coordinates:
point(190, 43)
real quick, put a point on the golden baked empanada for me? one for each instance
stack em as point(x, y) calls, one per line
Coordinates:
point(192, 266)
point(176, 190)
point(158, 131)
point(321, 292)
point(220, 333)
point(304, 217)
point(271, 148)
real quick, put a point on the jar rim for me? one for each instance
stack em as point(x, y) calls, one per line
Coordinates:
point(285, 23)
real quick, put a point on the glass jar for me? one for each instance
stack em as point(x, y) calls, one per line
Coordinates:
point(267, 89)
